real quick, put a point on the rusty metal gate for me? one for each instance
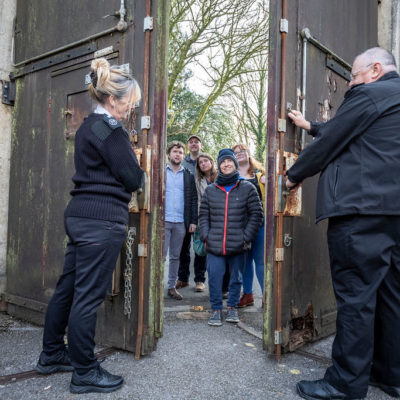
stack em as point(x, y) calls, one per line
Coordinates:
point(54, 43)
point(311, 49)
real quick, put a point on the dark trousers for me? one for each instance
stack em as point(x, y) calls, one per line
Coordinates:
point(365, 265)
point(184, 262)
point(92, 252)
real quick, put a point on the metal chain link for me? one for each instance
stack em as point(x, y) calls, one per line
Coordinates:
point(128, 271)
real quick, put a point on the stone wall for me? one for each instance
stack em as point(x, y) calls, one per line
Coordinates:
point(7, 14)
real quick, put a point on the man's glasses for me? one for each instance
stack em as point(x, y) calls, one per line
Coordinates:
point(354, 75)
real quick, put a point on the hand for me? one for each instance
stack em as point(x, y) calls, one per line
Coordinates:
point(244, 246)
point(291, 185)
point(298, 119)
point(192, 228)
point(262, 179)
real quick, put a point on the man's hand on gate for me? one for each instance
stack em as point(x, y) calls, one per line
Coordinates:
point(298, 119)
point(292, 186)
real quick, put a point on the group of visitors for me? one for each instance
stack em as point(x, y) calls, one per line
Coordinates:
point(222, 203)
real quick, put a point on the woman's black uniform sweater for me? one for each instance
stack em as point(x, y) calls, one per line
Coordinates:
point(107, 171)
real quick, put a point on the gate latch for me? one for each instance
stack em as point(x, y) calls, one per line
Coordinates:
point(282, 193)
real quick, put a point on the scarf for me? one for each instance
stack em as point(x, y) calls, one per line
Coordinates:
point(227, 180)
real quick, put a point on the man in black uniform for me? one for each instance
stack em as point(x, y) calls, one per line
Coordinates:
point(358, 155)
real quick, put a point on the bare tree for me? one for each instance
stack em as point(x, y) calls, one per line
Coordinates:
point(248, 99)
point(222, 37)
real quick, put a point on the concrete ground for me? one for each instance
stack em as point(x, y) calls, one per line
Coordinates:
point(192, 361)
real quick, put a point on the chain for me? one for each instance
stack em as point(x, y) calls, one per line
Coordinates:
point(128, 271)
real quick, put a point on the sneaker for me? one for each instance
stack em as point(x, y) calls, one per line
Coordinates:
point(246, 300)
point(200, 287)
point(232, 315)
point(215, 319)
point(95, 380)
point(60, 362)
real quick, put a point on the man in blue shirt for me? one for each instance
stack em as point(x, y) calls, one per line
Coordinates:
point(180, 210)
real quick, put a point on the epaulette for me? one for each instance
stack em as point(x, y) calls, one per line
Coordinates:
point(104, 127)
point(112, 122)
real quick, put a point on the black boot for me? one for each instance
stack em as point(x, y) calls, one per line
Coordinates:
point(319, 390)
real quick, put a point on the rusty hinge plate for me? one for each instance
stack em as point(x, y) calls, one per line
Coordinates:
point(142, 250)
point(281, 125)
point(148, 24)
point(145, 122)
point(279, 254)
point(284, 25)
point(278, 337)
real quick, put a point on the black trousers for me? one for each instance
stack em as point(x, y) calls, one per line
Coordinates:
point(365, 265)
point(184, 262)
point(92, 252)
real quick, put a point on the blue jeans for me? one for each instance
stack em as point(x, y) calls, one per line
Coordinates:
point(216, 270)
point(256, 254)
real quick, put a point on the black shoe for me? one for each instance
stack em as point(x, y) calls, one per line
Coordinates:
point(58, 363)
point(319, 390)
point(96, 380)
point(393, 391)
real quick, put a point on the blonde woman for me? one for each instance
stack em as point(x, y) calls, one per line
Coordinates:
point(106, 174)
point(252, 170)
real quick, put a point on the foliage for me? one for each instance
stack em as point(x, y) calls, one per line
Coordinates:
point(222, 37)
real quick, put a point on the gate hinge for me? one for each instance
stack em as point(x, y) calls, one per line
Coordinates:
point(8, 92)
point(284, 25)
point(148, 24)
point(281, 125)
point(278, 337)
point(145, 122)
point(142, 250)
point(279, 254)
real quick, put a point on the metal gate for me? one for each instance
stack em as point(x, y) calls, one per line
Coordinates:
point(54, 43)
point(311, 46)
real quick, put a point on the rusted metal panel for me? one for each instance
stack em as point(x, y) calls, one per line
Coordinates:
point(347, 28)
point(50, 105)
point(44, 25)
point(290, 200)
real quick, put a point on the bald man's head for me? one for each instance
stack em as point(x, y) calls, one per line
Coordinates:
point(371, 65)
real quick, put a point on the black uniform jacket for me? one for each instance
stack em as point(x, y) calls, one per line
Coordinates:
point(229, 219)
point(358, 152)
point(190, 199)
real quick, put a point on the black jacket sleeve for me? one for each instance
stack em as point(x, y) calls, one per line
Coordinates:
point(354, 116)
point(193, 201)
point(315, 127)
point(204, 217)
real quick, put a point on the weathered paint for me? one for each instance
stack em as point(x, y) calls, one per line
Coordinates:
point(305, 270)
point(50, 106)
